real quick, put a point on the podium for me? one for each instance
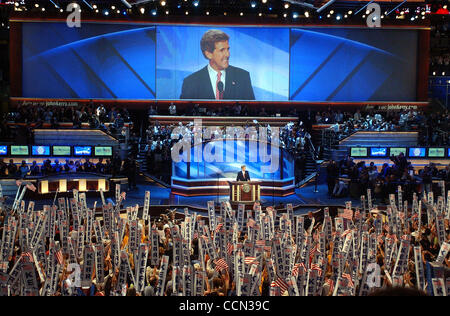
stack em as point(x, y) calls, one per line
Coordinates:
point(245, 191)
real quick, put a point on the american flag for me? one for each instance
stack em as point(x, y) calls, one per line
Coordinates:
point(331, 284)
point(29, 255)
point(59, 257)
point(348, 278)
point(31, 187)
point(221, 264)
point(314, 250)
point(218, 228)
point(229, 248)
point(348, 214)
point(250, 260)
point(316, 267)
point(281, 284)
point(260, 243)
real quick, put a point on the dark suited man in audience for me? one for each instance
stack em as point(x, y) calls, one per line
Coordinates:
point(218, 80)
point(243, 175)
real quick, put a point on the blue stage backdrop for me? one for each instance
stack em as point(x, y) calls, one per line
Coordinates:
point(353, 65)
point(119, 61)
point(94, 61)
point(263, 52)
point(233, 154)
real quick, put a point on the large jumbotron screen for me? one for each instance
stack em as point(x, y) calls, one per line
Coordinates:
point(165, 62)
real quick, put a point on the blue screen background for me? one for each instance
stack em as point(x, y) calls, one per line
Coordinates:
point(130, 61)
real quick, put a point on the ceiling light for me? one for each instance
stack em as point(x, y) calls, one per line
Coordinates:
point(142, 10)
point(163, 2)
point(286, 5)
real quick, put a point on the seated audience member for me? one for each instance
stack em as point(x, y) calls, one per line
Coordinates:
point(66, 166)
point(88, 166)
point(34, 169)
point(72, 167)
point(57, 168)
point(23, 169)
point(100, 167)
point(3, 167)
point(12, 169)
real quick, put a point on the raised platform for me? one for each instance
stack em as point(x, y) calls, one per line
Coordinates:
point(184, 187)
point(222, 120)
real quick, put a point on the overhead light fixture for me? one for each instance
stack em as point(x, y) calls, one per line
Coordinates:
point(345, 16)
point(118, 11)
point(285, 15)
point(187, 12)
point(328, 15)
point(113, 7)
point(94, 6)
point(264, 1)
point(142, 10)
point(195, 3)
point(338, 17)
point(286, 5)
point(207, 12)
point(43, 9)
point(253, 4)
point(241, 14)
point(167, 12)
point(36, 5)
point(307, 14)
point(260, 14)
point(106, 12)
point(163, 3)
point(295, 15)
point(350, 12)
point(332, 11)
point(153, 12)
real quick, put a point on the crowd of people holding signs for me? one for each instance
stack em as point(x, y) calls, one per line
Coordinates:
point(69, 250)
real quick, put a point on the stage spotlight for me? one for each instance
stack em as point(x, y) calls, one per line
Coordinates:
point(328, 15)
point(16, 4)
point(264, 1)
point(253, 4)
point(207, 12)
point(260, 14)
point(295, 15)
point(367, 11)
point(105, 12)
point(350, 12)
point(241, 14)
point(61, 10)
point(412, 18)
point(364, 16)
point(382, 16)
point(443, 73)
point(195, 3)
point(167, 12)
point(153, 12)
point(434, 73)
point(307, 14)
point(286, 5)
point(96, 10)
point(113, 7)
point(285, 15)
point(163, 3)
point(332, 11)
point(43, 9)
point(345, 16)
point(142, 10)
point(187, 12)
point(338, 17)
point(118, 11)
point(94, 6)
point(36, 5)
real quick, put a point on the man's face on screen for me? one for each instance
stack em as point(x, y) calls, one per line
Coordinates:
point(219, 58)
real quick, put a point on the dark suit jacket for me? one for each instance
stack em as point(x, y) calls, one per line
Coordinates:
point(238, 85)
point(241, 177)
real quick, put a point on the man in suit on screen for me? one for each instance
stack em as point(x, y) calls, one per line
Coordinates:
point(243, 175)
point(218, 80)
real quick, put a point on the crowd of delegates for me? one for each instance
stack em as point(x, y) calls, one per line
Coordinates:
point(114, 167)
point(432, 127)
point(347, 177)
point(321, 255)
point(111, 120)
